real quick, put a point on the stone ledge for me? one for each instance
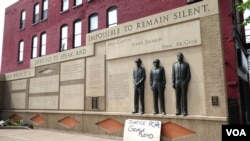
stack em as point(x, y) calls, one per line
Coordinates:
point(170, 116)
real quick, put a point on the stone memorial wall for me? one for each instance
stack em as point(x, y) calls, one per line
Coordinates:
point(95, 81)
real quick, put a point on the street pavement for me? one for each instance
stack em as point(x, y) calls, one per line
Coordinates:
point(50, 135)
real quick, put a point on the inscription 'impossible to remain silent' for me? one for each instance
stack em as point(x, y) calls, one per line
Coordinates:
point(151, 21)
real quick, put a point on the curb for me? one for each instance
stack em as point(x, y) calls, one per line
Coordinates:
point(14, 127)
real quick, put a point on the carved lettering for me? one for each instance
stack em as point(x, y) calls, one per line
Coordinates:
point(152, 22)
point(191, 12)
point(107, 33)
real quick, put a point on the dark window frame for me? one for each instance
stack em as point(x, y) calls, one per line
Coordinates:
point(20, 52)
point(91, 16)
point(42, 46)
point(78, 34)
point(62, 48)
point(45, 11)
point(22, 19)
point(36, 15)
point(34, 47)
point(108, 11)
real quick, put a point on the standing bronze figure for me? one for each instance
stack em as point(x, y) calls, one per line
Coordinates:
point(139, 76)
point(180, 79)
point(157, 83)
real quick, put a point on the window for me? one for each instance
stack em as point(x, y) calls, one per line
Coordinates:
point(77, 2)
point(112, 17)
point(77, 33)
point(93, 25)
point(65, 5)
point(64, 38)
point(45, 10)
point(43, 44)
point(22, 20)
point(36, 14)
point(20, 51)
point(34, 47)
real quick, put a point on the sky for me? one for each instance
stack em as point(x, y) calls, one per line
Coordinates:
point(4, 3)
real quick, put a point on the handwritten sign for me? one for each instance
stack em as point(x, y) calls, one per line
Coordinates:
point(142, 130)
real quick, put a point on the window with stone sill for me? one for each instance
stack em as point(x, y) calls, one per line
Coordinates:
point(36, 14)
point(43, 44)
point(93, 22)
point(22, 19)
point(77, 2)
point(45, 10)
point(20, 51)
point(65, 5)
point(112, 16)
point(77, 34)
point(64, 38)
point(34, 46)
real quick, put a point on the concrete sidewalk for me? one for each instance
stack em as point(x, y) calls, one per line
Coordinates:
point(49, 135)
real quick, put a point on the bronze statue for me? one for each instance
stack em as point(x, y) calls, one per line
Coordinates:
point(157, 83)
point(180, 79)
point(139, 76)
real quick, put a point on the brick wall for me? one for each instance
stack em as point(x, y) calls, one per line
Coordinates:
point(127, 10)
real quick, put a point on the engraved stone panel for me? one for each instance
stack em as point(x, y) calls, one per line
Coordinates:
point(63, 56)
point(118, 85)
point(20, 74)
point(95, 76)
point(72, 97)
point(182, 14)
point(73, 70)
point(19, 85)
point(18, 100)
point(48, 70)
point(171, 37)
point(43, 102)
point(44, 84)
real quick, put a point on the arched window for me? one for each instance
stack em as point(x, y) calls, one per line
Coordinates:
point(65, 5)
point(64, 38)
point(43, 44)
point(20, 51)
point(112, 16)
point(22, 19)
point(77, 33)
point(34, 46)
point(36, 14)
point(45, 10)
point(93, 22)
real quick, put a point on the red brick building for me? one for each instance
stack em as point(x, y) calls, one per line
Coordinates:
point(42, 27)
point(56, 17)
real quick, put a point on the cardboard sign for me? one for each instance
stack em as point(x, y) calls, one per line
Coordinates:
point(142, 130)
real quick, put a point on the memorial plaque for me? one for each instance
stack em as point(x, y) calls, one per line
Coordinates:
point(18, 100)
point(44, 84)
point(43, 102)
point(72, 97)
point(73, 70)
point(142, 130)
point(95, 76)
point(166, 38)
point(118, 85)
point(19, 85)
